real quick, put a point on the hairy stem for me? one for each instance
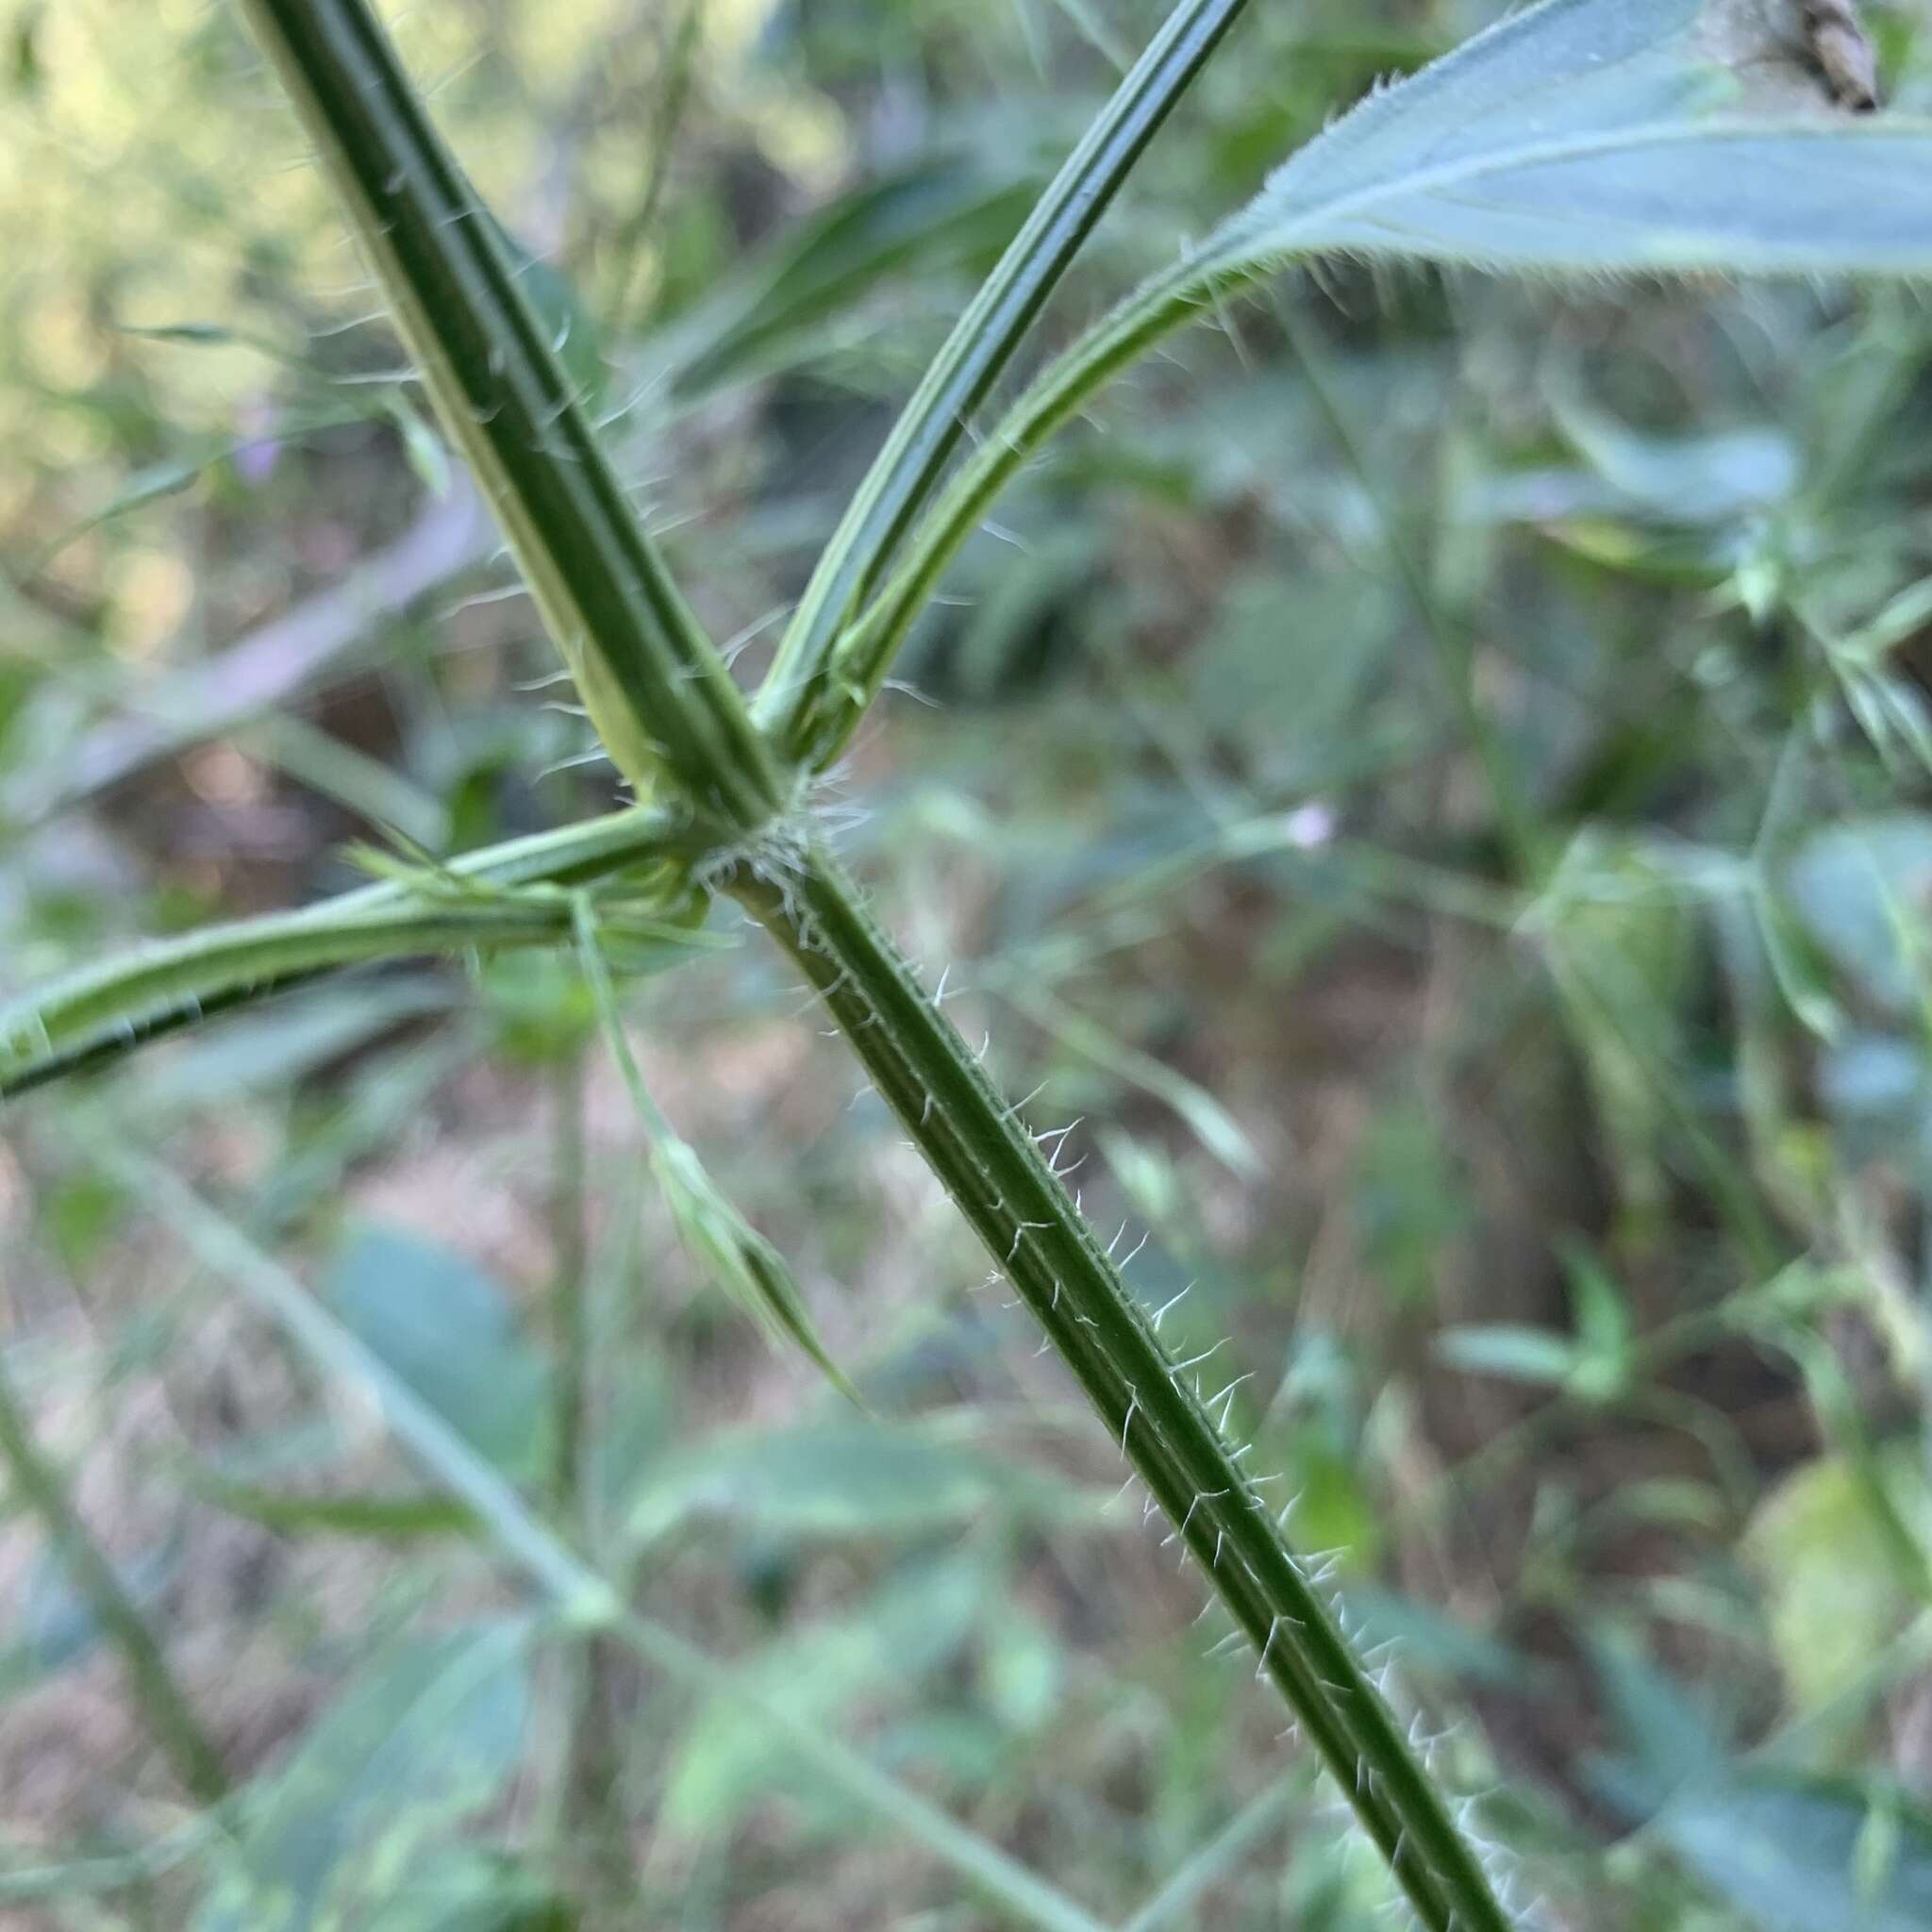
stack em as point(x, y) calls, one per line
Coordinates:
point(656, 689)
point(100, 1012)
point(993, 1167)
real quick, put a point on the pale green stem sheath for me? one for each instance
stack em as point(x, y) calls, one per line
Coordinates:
point(656, 689)
point(991, 1166)
point(100, 1012)
point(981, 344)
point(162, 1703)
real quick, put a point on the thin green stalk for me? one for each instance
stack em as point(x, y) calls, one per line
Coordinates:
point(582, 1599)
point(827, 711)
point(993, 1169)
point(97, 1014)
point(88, 1877)
point(981, 344)
point(680, 67)
point(162, 1703)
point(656, 689)
point(1252, 1823)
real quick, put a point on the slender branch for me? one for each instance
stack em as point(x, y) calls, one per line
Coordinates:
point(677, 62)
point(161, 1701)
point(101, 1012)
point(570, 1294)
point(829, 712)
point(656, 689)
point(267, 667)
point(980, 347)
point(989, 1163)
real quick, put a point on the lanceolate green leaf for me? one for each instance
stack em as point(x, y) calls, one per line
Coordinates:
point(980, 345)
point(656, 691)
point(1596, 135)
point(1581, 136)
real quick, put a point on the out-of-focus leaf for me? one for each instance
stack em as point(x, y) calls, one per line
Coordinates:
point(1862, 891)
point(427, 1734)
point(1799, 1855)
point(845, 1479)
point(1685, 479)
point(1833, 1595)
point(1672, 1740)
point(448, 1330)
point(911, 1626)
point(276, 1051)
point(925, 219)
point(387, 1517)
point(1506, 1349)
point(146, 486)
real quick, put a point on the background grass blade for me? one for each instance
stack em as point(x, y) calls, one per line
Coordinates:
point(164, 1705)
point(981, 344)
point(658, 692)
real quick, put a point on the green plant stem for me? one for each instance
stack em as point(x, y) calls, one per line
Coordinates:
point(163, 1705)
point(830, 711)
point(981, 344)
point(100, 1012)
point(991, 1166)
point(656, 689)
point(1260, 1816)
point(570, 1292)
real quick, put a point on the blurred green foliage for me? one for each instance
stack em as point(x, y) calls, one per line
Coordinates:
point(1566, 1175)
